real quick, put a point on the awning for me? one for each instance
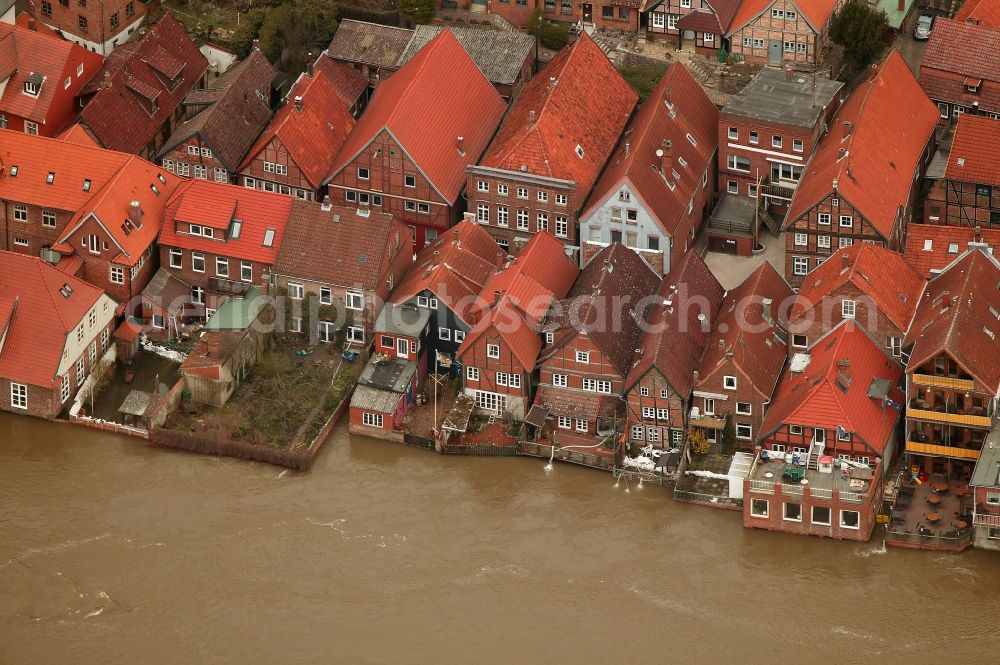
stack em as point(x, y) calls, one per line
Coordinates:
point(537, 415)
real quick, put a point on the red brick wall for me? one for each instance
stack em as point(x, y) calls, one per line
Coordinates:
point(66, 17)
point(475, 356)
point(775, 514)
point(759, 164)
point(202, 279)
point(274, 152)
point(97, 266)
point(828, 313)
point(654, 383)
point(809, 224)
point(563, 361)
point(767, 28)
point(745, 392)
point(37, 235)
point(180, 161)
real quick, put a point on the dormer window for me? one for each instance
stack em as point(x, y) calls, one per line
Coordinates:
point(33, 84)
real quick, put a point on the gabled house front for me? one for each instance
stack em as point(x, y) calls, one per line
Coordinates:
point(40, 76)
point(701, 23)
point(100, 27)
point(862, 183)
point(408, 152)
point(959, 70)
point(657, 188)
point(930, 247)
point(772, 32)
point(967, 194)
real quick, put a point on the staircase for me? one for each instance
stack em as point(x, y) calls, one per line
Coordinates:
point(773, 225)
point(814, 454)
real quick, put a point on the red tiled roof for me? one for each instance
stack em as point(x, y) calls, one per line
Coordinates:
point(78, 134)
point(37, 317)
point(109, 205)
point(816, 12)
point(675, 337)
point(518, 297)
point(454, 267)
point(576, 403)
point(982, 12)
point(312, 135)
point(336, 246)
point(347, 81)
point(726, 11)
point(238, 114)
point(26, 52)
point(954, 316)
point(929, 247)
point(963, 48)
point(974, 150)
point(118, 114)
point(607, 302)
point(700, 21)
point(875, 171)
point(696, 116)
point(814, 399)
point(35, 157)
point(881, 274)
point(547, 146)
point(742, 330)
point(433, 99)
point(258, 210)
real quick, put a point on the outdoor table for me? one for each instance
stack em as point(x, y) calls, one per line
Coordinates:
point(961, 524)
point(934, 500)
point(933, 518)
point(940, 488)
point(962, 492)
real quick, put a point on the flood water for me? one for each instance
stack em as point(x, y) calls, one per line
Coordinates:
point(115, 552)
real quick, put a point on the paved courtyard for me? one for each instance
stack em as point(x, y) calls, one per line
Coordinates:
point(731, 270)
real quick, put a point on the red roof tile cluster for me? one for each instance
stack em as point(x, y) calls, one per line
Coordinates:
point(678, 325)
point(35, 317)
point(816, 12)
point(959, 314)
point(959, 54)
point(546, 133)
point(310, 127)
point(432, 100)
point(217, 205)
point(636, 163)
point(607, 302)
point(981, 12)
point(701, 20)
point(454, 267)
point(576, 403)
point(749, 332)
point(334, 245)
point(28, 53)
point(833, 390)
point(881, 274)
point(974, 150)
point(872, 168)
point(133, 95)
point(929, 247)
point(348, 83)
point(78, 134)
point(513, 302)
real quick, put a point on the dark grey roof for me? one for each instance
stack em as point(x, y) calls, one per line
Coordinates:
point(368, 43)
point(498, 54)
point(394, 374)
point(796, 99)
point(406, 319)
point(987, 472)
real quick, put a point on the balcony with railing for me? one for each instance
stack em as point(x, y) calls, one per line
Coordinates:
point(918, 409)
point(936, 381)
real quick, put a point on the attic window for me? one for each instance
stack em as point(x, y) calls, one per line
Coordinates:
point(269, 238)
point(682, 161)
point(50, 178)
point(13, 171)
point(989, 333)
point(86, 185)
point(953, 248)
point(155, 189)
point(66, 290)
point(235, 227)
point(691, 140)
point(579, 151)
point(928, 244)
point(33, 84)
point(159, 176)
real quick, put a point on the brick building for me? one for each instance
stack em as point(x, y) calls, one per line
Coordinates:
point(862, 183)
point(98, 26)
point(701, 23)
point(953, 366)
point(53, 329)
point(134, 103)
point(294, 153)
point(968, 193)
point(40, 76)
point(349, 260)
point(548, 153)
point(960, 70)
point(767, 134)
point(872, 286)
point(930, 248)
point(659, 384)
point(222, 239)
point(743, 358)
point(980, 12)
point(370, 48)
point(499, 353)
point(658, 186)
point(774, 31)
point(616, 15)
point(985, 483)
point(408, 152)
point(590, 341)
point(350, 86)
point(223, 121)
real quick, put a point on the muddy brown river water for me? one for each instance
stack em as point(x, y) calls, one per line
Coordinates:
point(115, 552)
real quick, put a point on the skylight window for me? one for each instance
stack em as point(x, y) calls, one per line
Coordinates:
point(156, 190)
point(66, 290)
point(86, 185)
point(13, 171)
point(161, 178)
point(50, 178)
point(269, 238)
point(579, 151)
point(235, 228)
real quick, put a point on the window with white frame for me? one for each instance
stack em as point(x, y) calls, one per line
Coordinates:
point(663, 414)
point(800, 265)
point(843, 434)
point(522, 220)
point(846, 221)
point(795, 429)
point(759, 507)
point(583, 357)
point(116, 275)
point(246, 271)
point(295, 291)
point(789, 47)
point(355, 300)
point(744, 408)
point(363, 173)
point(743, 431)
point(560, 199)
point(847, 308)
point(356, 334)
point(850, 519)
point(581, 425)
point(371, 419)
point(325, 295)
point(482, 186)
point(48, 218)
point(20, 213)
point(445, 334)
point(729, 382)
point(565, 422)
point(522, 192)
point(823, 242)
point(501, 189)
point(663, 393)
point(797, 145)
point(820, 515)
point(197, 262)
point(733, 133)
point(483, 213)
point(64, 389)
point(793, 512)
point(709, 406)
point(738, 163)
point(559, 380)
point(801, 239)
point(561, 227)
point(502, 216)
point(732, 187)
point(643, 391)
point(493, 351)
point(221, 266)
point(775, 141)
point(18, 395)
point(653, 434)
point(471, 373)
point(176, 258)
point(895, 346)
point(823, 218)
point(638, 431)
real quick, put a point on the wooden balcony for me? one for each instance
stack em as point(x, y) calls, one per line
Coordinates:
point(708, 422)
point(951, 418)
point(942, 381)
point(936, 450)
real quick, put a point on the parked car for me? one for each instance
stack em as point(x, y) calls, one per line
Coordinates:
point(925, 22)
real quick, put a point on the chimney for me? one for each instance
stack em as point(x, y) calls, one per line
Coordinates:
point(766, 305)
point(696, 377)
point(107, 79)
point(135, 213)
point(847, 128)
point(901, 6)
point(626, 148)
point(265, 282)
point(460, 144)
point(31, 23)
point(531, 117)
point(845, 261)
point(496, 297)
point(552, 81)
point(979, 234)
point(664, 160)
point(298, 102)
point(309, 64)
point(256, 45)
